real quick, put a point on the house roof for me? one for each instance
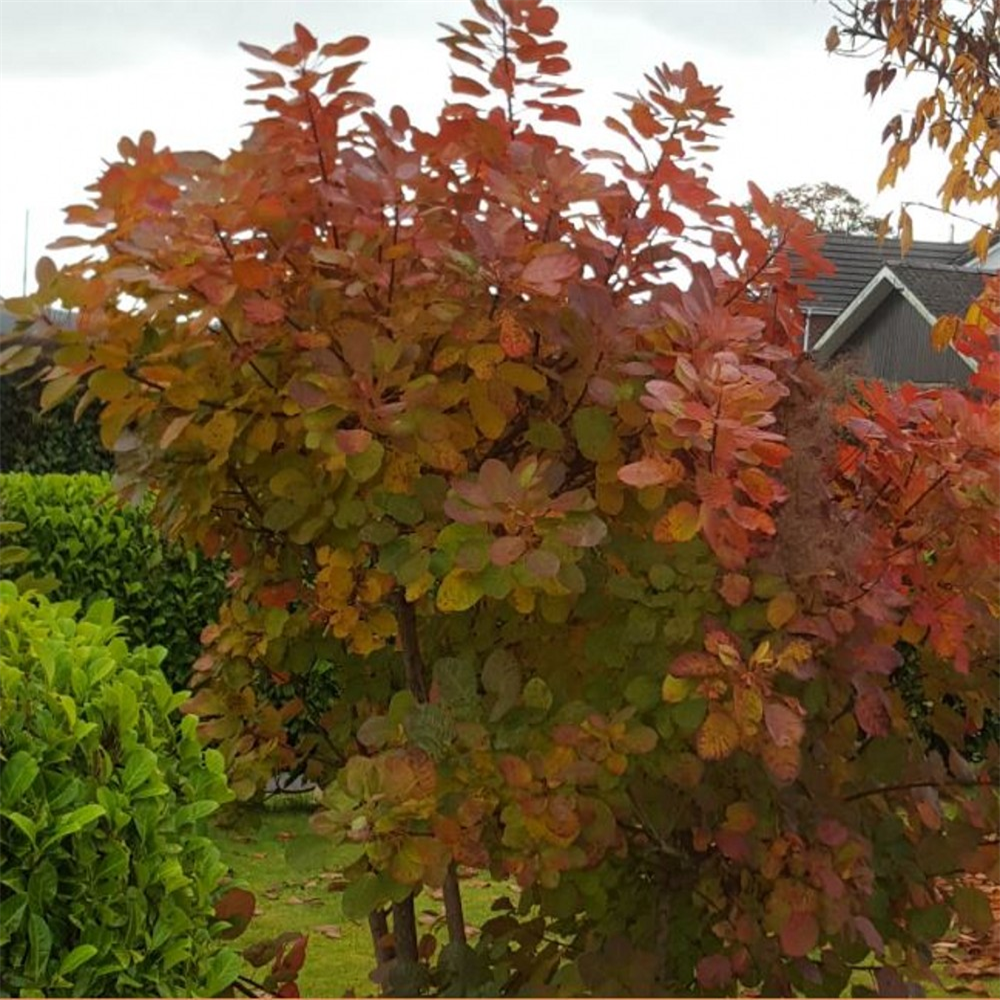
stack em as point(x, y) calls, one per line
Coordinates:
point(943, 289)
point(858, 258)
point(932, 290)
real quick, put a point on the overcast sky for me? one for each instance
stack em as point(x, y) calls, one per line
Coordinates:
point(75, 76)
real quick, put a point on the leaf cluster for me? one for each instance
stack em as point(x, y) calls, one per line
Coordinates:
point(108, 876)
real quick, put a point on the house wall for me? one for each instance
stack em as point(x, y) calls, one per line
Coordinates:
point(894, 345)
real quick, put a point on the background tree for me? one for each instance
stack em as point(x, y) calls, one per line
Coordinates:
point(955, 43)
point(829, 207)
point(616, 582)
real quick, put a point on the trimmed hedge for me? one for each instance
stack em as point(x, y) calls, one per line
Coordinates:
point(108, 881)
point(75, 530)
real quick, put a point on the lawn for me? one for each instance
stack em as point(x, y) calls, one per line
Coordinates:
point(339, 956)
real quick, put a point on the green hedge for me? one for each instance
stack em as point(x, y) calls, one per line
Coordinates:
point(36, 442)
point(107, 878)
point(75, 530)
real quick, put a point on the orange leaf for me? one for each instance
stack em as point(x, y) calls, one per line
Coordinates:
point(718, 736)
point(735, 589)
point(782, 762)
point(653, 471)
point(514, 339)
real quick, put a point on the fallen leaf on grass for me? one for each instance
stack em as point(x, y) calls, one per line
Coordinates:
point(258, 856)
point(332, 931)
point(284, 835)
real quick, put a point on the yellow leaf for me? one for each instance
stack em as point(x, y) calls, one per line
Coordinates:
point(522, 377)
point(676, 689)
point(905, 232)
point(944, 332)
point(458, 592)
point(980, 244)
point(718, 736)
point(781, 609)
point(57, 390)
point(523, 600)
point(489, 418)
point(217, 435)
point(749, 708)
point(262, 435)
point(679, 524)
point(419, 587)
point(484, 358)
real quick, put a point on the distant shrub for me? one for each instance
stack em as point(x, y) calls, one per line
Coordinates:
point(108, 880)
point(32, 441)
point(75, 530)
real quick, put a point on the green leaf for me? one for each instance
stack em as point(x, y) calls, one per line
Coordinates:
point(18, 774)
point(223, 969)
point(12, 911)
point(973, 908)
point(76, 820)
point(78, 956)
point(595, 433)
point(456, 683)
point(929, 924)
point(362, 896)
point(39, 945)
point(363, 467)
point(430, 729)
point(502, 679)
point(688, 715)
point(643, 692)
point(537, 695)
point(25, 825)
point(139, 766)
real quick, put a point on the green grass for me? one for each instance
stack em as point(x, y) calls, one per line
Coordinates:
point(339, 955)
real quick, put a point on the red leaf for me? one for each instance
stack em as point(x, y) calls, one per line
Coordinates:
point(554, 65)
point(263, 311)
point(236, 907)
point(349, 46)
point(872, 712)
point(542, 20)
point(353, 442)
point(714, 972)
point(696, 664)
point(257, 51)
point(559, 113)
point(546, 272)
point(278, 595)
point(466, 85)
point(799, 934)
point(784, 724)
point(503, 75)
point(305, 38)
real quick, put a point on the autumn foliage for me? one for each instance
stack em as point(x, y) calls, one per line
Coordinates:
point(615, 584)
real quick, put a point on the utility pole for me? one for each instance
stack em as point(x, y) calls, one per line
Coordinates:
point(24, 265)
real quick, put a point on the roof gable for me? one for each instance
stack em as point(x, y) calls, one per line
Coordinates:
point(931, 290)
